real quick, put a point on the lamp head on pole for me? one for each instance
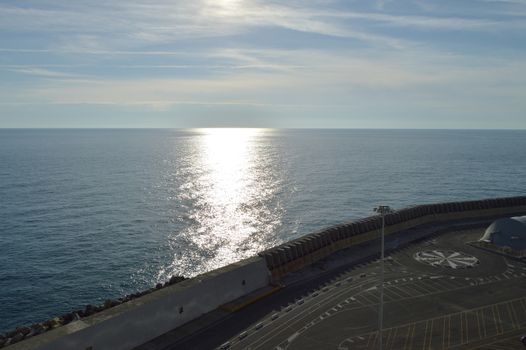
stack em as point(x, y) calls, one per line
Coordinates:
point(383, 209)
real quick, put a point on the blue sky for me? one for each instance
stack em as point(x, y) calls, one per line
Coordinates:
point(236, 63)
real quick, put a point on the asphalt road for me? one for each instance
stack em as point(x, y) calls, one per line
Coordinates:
point(455, 296)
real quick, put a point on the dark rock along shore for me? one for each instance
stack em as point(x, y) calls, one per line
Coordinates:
point(21, 333)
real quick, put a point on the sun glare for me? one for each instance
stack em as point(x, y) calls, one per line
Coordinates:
point(229, 184)
point(228, 7)
point(228, 154)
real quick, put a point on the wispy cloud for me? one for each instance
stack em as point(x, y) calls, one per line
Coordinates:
point(319, 78)
point(263, 54)
point(42, 72)
point(439, 23)
point(134, 23)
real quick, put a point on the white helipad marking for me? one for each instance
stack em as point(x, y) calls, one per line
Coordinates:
point(446, 258)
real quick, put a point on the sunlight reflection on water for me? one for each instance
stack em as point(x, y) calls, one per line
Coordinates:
point(229, 185)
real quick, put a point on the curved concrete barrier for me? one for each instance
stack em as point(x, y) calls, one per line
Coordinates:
point(304, 251)
point(140, 320)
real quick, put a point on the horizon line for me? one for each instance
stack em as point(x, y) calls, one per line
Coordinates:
point(249, 127)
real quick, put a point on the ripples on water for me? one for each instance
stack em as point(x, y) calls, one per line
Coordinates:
point(224, 191)
point(87, 215)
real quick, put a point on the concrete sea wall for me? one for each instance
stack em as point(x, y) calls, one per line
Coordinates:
point(136, 321)
point(301, 252)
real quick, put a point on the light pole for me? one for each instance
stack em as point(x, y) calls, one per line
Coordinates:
point(382, 210)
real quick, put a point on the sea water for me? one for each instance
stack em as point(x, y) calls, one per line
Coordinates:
point(87, 215)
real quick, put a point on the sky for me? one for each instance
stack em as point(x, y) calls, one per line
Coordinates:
point(444, 64)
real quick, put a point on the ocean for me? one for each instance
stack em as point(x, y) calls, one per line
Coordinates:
point(88, 215)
